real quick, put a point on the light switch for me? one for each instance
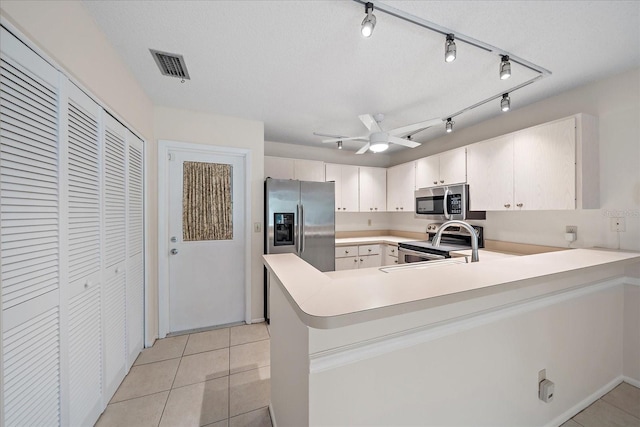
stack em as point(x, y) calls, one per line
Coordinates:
point(257, 227)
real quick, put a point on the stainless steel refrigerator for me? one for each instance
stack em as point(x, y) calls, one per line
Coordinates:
point(300, 219)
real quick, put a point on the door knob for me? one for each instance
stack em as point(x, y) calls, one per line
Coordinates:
point(174, 251)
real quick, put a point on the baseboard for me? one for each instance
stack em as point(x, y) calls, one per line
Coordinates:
point(632, 381)
point(575, 409)
point(273, 417)
point(259, 320)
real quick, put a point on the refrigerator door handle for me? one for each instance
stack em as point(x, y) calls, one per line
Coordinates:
point(302, 230)
point(298, 230)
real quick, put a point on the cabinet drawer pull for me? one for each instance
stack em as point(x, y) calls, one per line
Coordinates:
point(519, 205)
point(346, 252)
point(397, 208)
point(118, 270)
point(355, 260)
point(401, 208)
point(370, 209)
point(435, 182)
point(361, 260)
point(369, 250)
point(375, 209)
point(442, 181)
point(87, 284)
point(507, 205)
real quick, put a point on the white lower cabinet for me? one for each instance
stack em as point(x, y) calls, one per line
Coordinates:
point(390, 255)
point(369, 256)
point(346, 258)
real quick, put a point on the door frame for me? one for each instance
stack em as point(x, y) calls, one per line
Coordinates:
point(164, 146)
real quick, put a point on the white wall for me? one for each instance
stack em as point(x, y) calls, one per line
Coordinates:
point(326, 154)
point(203, 128)
point(616, 102)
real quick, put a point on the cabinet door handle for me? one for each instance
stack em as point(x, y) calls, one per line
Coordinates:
point(435, 182)
point(370, 209)
point(375, 209)
point(369, 250)
point(346, 252)
point(507, 205)
point(397, 208)
point(519, 205)
point(442, 181)
point(401, 208)
point(355, 260)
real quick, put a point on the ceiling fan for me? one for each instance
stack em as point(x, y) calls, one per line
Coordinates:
point(379, 140)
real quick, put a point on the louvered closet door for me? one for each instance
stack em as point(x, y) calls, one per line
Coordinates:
point(84, 228)
point(135, 247)
point(30, 236)
point(115, 220)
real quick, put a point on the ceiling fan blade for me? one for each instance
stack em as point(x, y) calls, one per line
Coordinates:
point(405, 142)
point(370, 123)
point(329, 135)
point(353, 138)
point(364, 149)
point(405, 130)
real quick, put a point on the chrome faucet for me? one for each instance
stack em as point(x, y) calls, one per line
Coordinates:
point(472, 231)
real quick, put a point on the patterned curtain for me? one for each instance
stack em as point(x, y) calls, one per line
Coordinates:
point(207, 211)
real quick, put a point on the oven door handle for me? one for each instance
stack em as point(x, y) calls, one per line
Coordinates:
point(403, 251)
point(445, 204)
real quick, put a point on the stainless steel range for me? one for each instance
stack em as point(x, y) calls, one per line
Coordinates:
point(454, 238)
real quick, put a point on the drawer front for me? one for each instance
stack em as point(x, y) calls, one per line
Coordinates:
point(345, 251)
point(392, 251)
point(368, 249)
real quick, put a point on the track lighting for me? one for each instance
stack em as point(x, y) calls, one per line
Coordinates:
point(449, 125)
point(339, 145)
point(505, 67)
point(449, 49)
point(505, 104)
point(369, 21)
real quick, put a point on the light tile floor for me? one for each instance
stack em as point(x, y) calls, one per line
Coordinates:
point(217, 378)
point(618, 408)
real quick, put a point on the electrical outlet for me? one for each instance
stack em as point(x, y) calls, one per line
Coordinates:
point(542, 375)
point(369, 222)
point(571, 229)
point(618, 224)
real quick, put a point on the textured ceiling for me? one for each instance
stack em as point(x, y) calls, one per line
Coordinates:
point(302, 66)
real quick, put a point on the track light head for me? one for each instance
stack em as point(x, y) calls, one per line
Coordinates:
point(369, 21)
point(505, 67)
point(505, 103)
point(449, 125)
point(449, 49)
point(339, 145)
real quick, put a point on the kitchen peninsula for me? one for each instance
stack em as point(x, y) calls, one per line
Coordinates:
point(458, 344)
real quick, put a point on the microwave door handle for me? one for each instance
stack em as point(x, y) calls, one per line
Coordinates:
point(445, 203)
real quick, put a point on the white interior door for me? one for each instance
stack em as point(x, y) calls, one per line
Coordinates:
point(206, 277)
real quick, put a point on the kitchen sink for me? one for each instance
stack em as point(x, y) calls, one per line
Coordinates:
point(425, 264)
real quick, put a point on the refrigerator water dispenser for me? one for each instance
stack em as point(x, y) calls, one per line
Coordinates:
point(283, 235)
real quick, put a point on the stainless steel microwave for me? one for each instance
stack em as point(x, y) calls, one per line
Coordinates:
point(445, 203)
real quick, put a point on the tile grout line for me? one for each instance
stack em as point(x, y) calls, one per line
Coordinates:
point(173, 382)
point(617, 407)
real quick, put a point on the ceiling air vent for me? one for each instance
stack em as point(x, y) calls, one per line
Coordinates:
point(170, 64)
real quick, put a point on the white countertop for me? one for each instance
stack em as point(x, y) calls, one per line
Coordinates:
point(323, 301)
point(387, 240)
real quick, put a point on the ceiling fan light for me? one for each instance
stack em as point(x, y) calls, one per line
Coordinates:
point(369, 21)
point(505, 103)
point(378, 147)
point(449, 125)
point(449, 49)
point(505, 68)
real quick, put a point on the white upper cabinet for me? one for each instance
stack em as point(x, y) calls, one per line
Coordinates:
point(373, 189)
point(532, 169)
point(401, 182)
point(285, 168)
point(490, 174)
point(445, 168)
point(347, 186)
point(544, 166)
